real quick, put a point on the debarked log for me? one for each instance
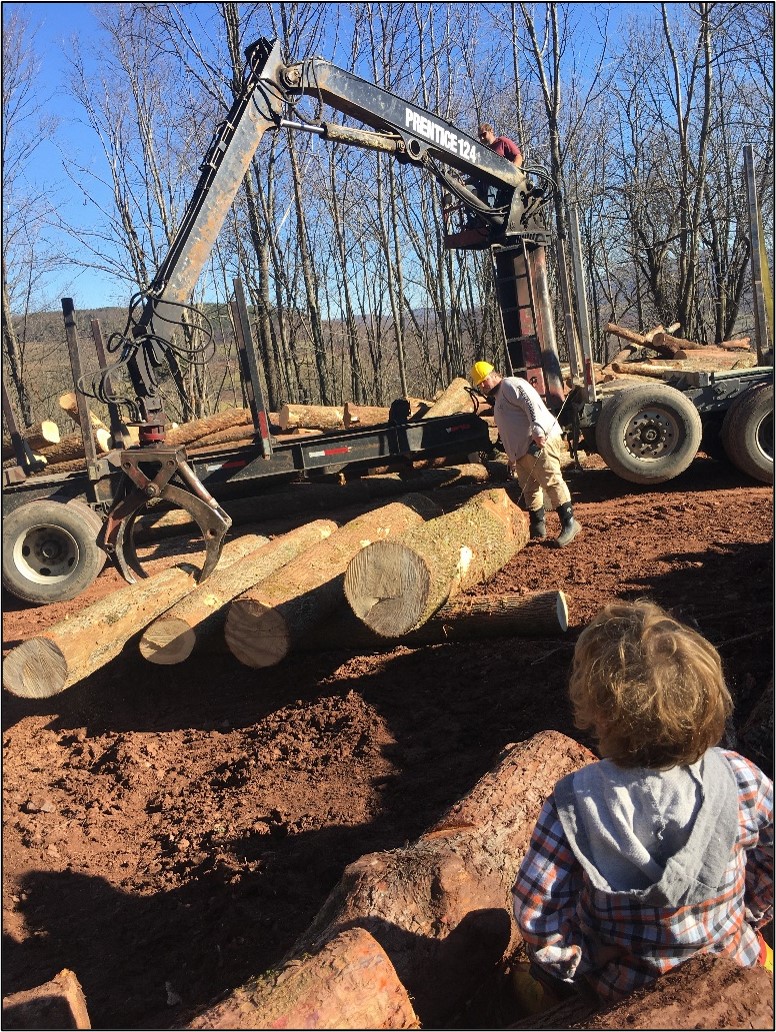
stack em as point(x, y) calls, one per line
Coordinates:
point(311, 417)
point(542, 614)
point(263, 623)
point(397, 585)
point(72, 649)
point(441, 907)
point(172, 637)
point(348, 983)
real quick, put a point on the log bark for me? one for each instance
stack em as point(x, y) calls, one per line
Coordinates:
point(704, 992)
point(348, 983)
point(718, 358)
point(364, 415)
point(441, 906)
point(701, 363)
point(72, 649)
point(198, 428)
point(542, 614)
point(69, 404)
point(395, 586)
point(455, 398)
point(171, 638)
point(57, 1004)
point(263, 623)
point(625, 334)
point(311, 417)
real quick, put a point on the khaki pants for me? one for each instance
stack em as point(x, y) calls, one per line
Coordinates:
point(540, 477)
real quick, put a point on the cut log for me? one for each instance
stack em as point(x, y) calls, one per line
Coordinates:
point(73, 648)
point(455, 398)
point(348, 983)
point(68, 402)
point(263, 623)
point(397, 585)
point(741, 344)
point(718, 361)
point(198, 428)
point(171, 638)
point(38, 437)
point(717, 358)
point(542, 614)
point(311, 417)
point(625, 334)
point(364, 415)
point(57, 1004)
point(441, 907)
point(704, 992)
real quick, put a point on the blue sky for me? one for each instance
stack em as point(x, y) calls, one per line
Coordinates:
point(57, 25)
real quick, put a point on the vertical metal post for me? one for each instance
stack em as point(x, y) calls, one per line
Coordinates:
point(26, 460)
point(119, 433)
point(575, 358)
point(762, 329)
point(582, 314)
point(76, 365)
point(251, 369)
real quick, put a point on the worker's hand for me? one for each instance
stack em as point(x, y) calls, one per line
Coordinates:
point(534, 448)
point(513, 471)
point(538, 438)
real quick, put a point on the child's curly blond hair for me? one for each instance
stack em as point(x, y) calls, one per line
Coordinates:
point(651, 690)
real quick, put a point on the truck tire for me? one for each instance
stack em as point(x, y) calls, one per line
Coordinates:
point(747, 432)
point(648, 434)
point(50, 550)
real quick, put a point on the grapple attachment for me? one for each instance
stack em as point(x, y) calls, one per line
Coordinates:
point(117, 537)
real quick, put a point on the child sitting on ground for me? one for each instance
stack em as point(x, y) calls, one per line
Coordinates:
point(663, 849)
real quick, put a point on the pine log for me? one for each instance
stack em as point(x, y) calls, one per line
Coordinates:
point(397, 585)
point(74, 648)
point(659, 369)
point(625, 334)
point(41, 435)
point(57, 1004)
point(542, 614)
point(348, 984)
point(718, 358)
point(199, 428)
point(263, 624)
point(704, 992)
point(741, 344)
point(171, 638)
point(311, 417)
point(455, 398)
point(441, 907)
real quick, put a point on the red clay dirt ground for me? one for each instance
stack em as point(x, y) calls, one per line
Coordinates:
point(170, 831)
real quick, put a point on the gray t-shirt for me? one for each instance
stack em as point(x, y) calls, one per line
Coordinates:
point(519, 412)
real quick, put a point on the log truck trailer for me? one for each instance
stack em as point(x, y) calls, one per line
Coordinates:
point(58, 529)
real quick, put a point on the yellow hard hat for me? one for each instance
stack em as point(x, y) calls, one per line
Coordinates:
point(479, 371)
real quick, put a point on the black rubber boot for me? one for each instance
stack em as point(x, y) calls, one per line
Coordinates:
point(569, 526)
point(537, 525)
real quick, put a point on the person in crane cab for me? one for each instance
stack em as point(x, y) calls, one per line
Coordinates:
point(500, 144)
point(531, 436)
point(663, 848)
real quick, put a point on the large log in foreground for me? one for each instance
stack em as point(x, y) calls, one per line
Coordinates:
point(263, 623)
point(704, 992)
point(441, 906)
point(71, 649)
point(455, 398)
point(397, 585)
point(171, 638)
point(540, 614)
point(348, 983)
point(57, 1004)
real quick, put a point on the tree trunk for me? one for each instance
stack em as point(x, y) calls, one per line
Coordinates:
point(171, 638)
point(541, 614)
point(71, 649)
point(69, 404)
point(441, 907)
point(704, 992)
point(59, 1003)
point(311, 417)
point(363, 415)
point(455, 398)
point(199, 428)
point(395, 586)
point(38, 437)
point(348, 983)
point(263, 623)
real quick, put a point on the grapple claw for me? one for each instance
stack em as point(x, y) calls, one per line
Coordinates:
point(117, 537)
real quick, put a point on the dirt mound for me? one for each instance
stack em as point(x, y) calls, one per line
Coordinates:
point(170, 831)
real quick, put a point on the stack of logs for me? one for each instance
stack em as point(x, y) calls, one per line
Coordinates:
point(658, 354)
point(231, 428)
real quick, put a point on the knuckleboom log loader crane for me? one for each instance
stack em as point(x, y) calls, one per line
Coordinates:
point(58, 530)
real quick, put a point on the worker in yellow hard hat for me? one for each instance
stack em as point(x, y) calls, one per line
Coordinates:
point(531, 437)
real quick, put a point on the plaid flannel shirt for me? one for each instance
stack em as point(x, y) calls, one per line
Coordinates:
point(574, 931)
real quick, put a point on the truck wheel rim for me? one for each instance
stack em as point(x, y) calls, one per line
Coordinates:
point(46, 554)
point(765, 437)
point(651, 434)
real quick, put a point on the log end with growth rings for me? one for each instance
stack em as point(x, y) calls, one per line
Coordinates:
point(35, 669)
point(387, 587)
point(256, 634)
point(169, 640)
